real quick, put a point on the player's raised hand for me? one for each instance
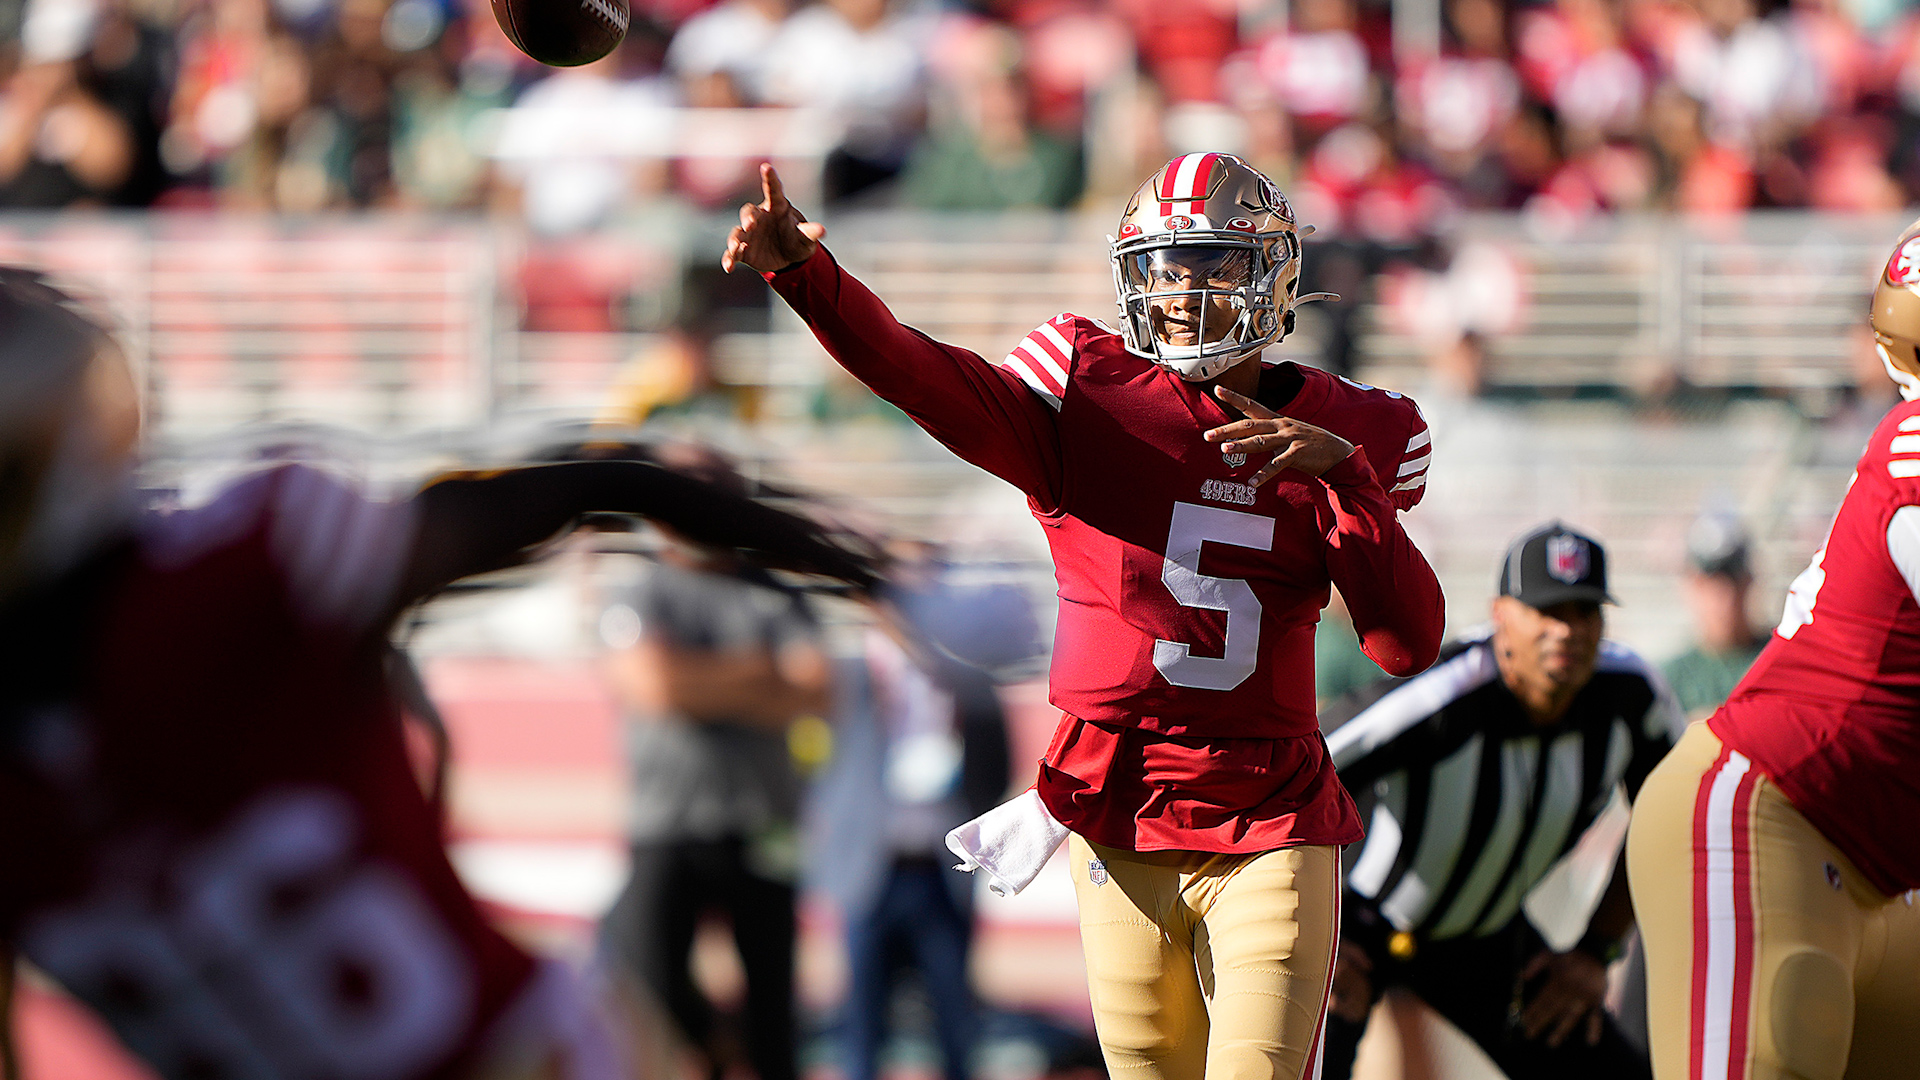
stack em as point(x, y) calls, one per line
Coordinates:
point(772, 235)
point(1296, 444)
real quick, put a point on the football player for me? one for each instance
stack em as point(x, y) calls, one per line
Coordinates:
point(1774, 852)
point(209, 829)
point(1198, 503)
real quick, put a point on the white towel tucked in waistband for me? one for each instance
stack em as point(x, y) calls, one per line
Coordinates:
point(1011, 842)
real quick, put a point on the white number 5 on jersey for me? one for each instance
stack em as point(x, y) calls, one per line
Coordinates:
point(1194, 525)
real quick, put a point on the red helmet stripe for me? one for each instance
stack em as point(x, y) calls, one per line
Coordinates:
point(1186, 181)
point(1168, 176)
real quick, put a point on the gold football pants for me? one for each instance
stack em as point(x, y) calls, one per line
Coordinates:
point(1205, 966)
point(1768, 956)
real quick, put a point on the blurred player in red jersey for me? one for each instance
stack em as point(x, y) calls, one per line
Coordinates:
point(1205, 814)
point(1774, 853)
point(209, 829)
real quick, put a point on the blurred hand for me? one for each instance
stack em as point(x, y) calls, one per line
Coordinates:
point(1573, 990)
point(772, 235)
point(1352, 983)
point(1296, 444)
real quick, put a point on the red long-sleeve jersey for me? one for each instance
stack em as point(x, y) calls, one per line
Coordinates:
point(1831, 709)
point(1183, 658)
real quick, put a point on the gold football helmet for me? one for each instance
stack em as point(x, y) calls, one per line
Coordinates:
point(1212, 228)
point(1896, 313)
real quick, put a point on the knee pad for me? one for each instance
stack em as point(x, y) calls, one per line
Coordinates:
point(1810, 1015)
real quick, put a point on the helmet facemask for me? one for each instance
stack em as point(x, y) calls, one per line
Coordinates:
point(1204, 212)
point(1217, 291)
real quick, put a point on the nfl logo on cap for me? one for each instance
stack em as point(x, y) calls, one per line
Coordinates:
point(1552, 564)
point(1567, 557)
point(1096, 871)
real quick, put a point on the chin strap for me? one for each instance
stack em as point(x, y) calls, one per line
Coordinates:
point(1907, 381)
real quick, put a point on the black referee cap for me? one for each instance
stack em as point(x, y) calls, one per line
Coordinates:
point(1553, 564)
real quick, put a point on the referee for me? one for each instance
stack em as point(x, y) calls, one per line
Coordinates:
point(1483, 772)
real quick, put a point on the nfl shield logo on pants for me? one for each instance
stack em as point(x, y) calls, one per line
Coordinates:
point(1567, 558)
point(1096, 871)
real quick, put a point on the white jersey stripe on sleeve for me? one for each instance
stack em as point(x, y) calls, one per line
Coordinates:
point(1902, 468)
point(1019, 366)
point(1419, 441)
point(1904, 444)
point(1911, 423)
point(1903, 543)
point(1060, 346)
point(1043, 365)
point(1408, 468)
point(1409, 485)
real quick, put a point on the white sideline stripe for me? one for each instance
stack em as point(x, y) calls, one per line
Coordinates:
point(1904, 444)
point(1408, 468)
point(1903, 543)
point(1014, 364)
point(1426, 437)
point(1409, 485)
point(1038, 357)
point(1060, 342)
point(1903, 467)
point(1716, 1045)
point(1911, 423)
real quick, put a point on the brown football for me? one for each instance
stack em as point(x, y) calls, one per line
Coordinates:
point(564, 33)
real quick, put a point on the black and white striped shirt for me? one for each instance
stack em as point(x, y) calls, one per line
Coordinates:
point(1473, 802)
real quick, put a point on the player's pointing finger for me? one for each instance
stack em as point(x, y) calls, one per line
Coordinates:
point(770, 186)
point(1244, 403)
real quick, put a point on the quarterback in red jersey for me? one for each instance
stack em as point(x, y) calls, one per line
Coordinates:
point(1198, 504)
point(1774, 854)
point(210, 832)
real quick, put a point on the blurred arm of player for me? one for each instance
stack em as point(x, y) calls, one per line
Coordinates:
point(1569, 989)
point(470, 523)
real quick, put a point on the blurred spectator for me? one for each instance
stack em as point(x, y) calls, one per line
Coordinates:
point(920, 746)
point(1755, 80)
point(1698, 176)
point(1183, 43)
point(573, 180)
point(80, 121)
point(711, 662)
point(1573, 57)
point(861, 64)
point(1356, 183)
point(1074, 50)
point(1576, 108)
point(1456, 104)
point(729, 41)
point(441, 95)
point(982, 151)
point(1318, 70)
point(1718, 583)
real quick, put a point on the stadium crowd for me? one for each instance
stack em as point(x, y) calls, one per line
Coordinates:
point(1564, 108)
